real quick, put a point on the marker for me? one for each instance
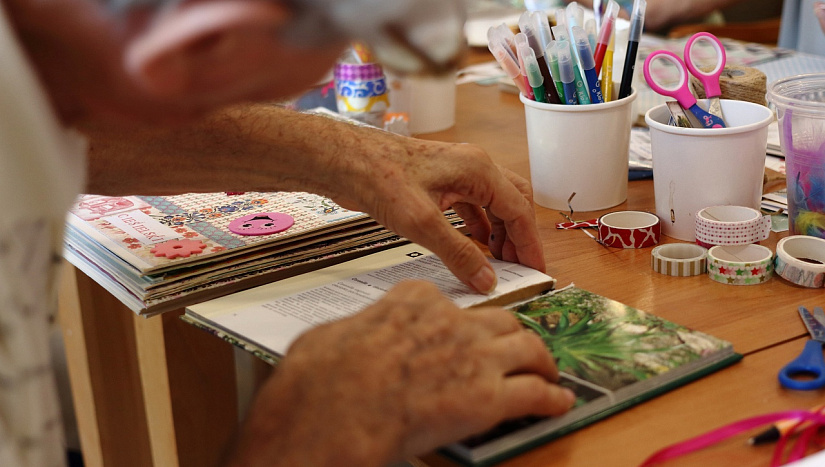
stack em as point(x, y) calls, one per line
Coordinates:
point(588, 65)
point(637, 22)
point(529, 24)
point(522, 39)
point(552, 55)
point(605, 33)
point(781, 428)
point(560, 31)
point(590, 29)
point(505, 60)
point(534, 76)
point(607, 69)
point(566, 72)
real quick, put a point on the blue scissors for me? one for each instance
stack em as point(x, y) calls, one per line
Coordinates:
point(681, 90)
point(807, 371)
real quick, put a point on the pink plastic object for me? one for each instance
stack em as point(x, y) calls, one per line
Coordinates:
point(680, 92)
point(265, 223)
point(709, 80)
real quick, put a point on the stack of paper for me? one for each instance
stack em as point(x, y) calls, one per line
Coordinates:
point(159, 253)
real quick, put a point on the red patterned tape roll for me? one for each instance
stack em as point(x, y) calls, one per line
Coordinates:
point(731, 225)
point(629, 229)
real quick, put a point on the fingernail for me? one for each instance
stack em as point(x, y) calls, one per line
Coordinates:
point(484, 280)
point(570, 395)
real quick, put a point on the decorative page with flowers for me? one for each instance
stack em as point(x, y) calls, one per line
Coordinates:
point(160, 233)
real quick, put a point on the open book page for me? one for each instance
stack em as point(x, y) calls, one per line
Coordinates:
point(273, 316)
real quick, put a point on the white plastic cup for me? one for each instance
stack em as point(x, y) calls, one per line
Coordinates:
point(428, 101)
point(580, 149)
point(694, 168)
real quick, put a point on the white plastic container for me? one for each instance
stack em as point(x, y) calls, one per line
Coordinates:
point(694, 168)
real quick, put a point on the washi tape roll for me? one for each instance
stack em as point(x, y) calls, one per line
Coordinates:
point(740, 264)
point(801, 259)
point(679, 259)
point(731, 225)
point(629, 229)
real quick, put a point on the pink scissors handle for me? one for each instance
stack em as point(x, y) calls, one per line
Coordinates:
point(680, 92)
point(710, 80)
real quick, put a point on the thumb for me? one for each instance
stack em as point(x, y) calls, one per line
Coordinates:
point(462, 257)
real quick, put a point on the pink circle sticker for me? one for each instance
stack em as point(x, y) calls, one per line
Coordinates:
point(261, 223)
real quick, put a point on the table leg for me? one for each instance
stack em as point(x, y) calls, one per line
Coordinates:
point(147, 391)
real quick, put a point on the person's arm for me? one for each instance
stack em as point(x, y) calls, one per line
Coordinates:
point(663, 13)
point(819, 11)
point(404, 183)
point(401, 378)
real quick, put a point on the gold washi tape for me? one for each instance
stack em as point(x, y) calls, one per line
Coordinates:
point(679, 259)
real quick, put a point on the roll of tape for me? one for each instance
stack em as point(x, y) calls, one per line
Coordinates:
point(629, 229)
point(739, 83)
point(731, 225)
point(679, 259)
point(740, 264)
point(801, 259)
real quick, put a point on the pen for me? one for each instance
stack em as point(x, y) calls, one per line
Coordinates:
point(530, 25)
point(552, 55)
point(781, 428)
point(588, 65)
point(560, 32)
point(605, 33)
point(505, 60)
point(534, 77)
point(607, 68)
point(522, 39)
point(637, 21)
point(566, 71)
point(590, 29)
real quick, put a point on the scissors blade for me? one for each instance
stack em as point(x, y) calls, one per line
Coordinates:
point(715, 108)
point(815, 327)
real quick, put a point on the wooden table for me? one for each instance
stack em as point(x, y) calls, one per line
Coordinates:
point(159, 392)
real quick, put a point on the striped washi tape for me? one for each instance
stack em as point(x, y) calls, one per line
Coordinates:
point(731, 225)
point(801, 259)
point(740, 264)
point(679, 259)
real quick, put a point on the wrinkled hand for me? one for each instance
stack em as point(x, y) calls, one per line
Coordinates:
point(409, 374)
point(411, 182)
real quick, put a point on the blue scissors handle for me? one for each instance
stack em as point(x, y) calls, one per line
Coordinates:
point(809, 363)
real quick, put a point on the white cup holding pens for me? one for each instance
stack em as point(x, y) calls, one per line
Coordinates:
point(580, 149)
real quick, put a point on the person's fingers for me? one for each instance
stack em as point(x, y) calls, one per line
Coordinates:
point(431, 230)
point(475, 219)
point(532, 395)
point(819, 11)
point(523, 352)
point(512, 207)
point(496, 319)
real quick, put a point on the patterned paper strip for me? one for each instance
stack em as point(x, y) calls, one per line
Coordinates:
point(801, 259)
point(731, 225)
point(740, 264)
point(629, 229)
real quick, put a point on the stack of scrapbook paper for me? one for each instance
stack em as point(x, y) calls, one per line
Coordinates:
point(158, 253)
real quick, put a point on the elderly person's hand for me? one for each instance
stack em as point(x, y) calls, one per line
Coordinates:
point(409, 374)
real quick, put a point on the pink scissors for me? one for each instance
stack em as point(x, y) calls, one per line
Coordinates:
point(681, 90)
